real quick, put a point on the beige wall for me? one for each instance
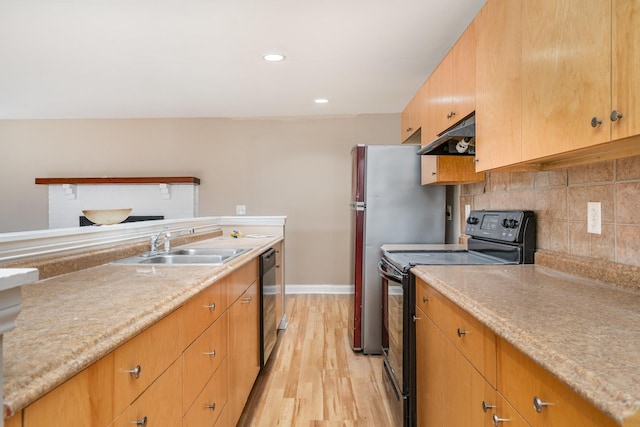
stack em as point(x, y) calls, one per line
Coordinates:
point(559, 199)
point(295, 167)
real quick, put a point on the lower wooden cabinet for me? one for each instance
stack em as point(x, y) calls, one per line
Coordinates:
point(209, 404)
point(172, 373)
point(450, 391)
point(522, 381)
point(485, 381)
point(159, 405)
point(244, 349)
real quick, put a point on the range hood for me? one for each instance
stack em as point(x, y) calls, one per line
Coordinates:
point(458, 141)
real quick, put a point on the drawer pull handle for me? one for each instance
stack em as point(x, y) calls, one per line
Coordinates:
point(497, 420)
point(539, 405)
point(462, 332)
point(486, 406)
point(210, 353)
point(247, 300)
point(416, 318)
point(408, 129)
point(211, 307)
point(211, 406)
point(142, 422)
point(425, 299)
point(135, 372)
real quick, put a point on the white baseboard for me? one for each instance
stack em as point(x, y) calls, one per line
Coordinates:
point(319, 289)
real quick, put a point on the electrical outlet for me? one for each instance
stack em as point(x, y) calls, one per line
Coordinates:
point(594, 217)
point(241, 209)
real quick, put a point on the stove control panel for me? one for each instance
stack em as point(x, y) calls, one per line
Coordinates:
point(504, 226)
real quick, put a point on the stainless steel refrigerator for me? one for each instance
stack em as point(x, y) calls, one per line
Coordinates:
point(388, 206)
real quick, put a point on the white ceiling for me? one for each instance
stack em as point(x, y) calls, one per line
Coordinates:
point(203, 58)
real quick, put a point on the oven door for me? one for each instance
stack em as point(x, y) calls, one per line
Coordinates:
point(394, 336)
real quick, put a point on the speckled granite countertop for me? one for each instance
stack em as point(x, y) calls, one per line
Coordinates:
point(586, 333)
point(70, 321)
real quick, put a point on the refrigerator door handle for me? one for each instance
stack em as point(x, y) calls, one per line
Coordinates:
point(358, 206)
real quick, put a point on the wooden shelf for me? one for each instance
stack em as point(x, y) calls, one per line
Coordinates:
point(122, 180)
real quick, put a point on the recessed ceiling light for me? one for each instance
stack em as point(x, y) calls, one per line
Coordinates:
point(321, 101)
point(273, 57)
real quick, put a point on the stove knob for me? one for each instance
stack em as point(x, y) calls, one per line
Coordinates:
point(472, 220)
point(505, 222)
point(509, 223)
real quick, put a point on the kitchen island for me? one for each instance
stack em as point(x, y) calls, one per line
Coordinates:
point(584, 333)
point(72, 322)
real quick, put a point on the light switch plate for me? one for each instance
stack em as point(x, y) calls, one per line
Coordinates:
point(594, 217)
point(241, 209)
point(467, 211)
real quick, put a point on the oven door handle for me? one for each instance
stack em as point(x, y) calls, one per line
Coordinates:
point(389, 272)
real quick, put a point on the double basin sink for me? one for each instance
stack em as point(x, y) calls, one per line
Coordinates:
point(214, 256)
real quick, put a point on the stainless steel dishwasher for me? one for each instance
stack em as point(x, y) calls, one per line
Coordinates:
point(268, 300)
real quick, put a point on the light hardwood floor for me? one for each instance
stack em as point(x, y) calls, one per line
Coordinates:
point(313, 378)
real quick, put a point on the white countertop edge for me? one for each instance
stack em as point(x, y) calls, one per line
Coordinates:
point(14, 277)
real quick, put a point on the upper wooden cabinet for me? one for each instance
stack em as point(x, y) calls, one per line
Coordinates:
point(566, 76)
point(450, 90)
point(625, 96)
point(448, 170)
point(411, 118)
point(498, 82)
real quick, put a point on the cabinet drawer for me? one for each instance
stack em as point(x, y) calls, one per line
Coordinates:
point(475, 341)
point(204, 309)
point(241, 279)
point(430, 302)
point(160, 405)
point(199, 362)
point(521, 380)
point(153, 350)
point(210, 403)
point(506, 414)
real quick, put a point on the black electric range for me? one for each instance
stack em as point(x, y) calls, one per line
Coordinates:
point(496, 237)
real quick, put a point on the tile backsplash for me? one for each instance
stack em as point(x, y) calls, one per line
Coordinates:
point(559, 199)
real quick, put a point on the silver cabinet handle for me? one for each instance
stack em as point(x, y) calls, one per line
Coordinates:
point(425, 299)
point(416, 318)
point(595, 122)
point(486, 406)
point(433, 173)
point(211, 307)
point(210, 353)
point(615, 115)
point(408, 129)
point(462, 332)
point(539, 405)
point(142, 422)
point(135, 372)
point(211, 406)
point(451, 114)
point(497, 420)
point(247, 300)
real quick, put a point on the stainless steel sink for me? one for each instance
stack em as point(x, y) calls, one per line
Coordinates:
point(186, 256)
point(222, 252)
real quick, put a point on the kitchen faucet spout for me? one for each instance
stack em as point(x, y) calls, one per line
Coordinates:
point(168, 236)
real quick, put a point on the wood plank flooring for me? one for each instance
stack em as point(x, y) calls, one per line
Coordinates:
point(313, 378)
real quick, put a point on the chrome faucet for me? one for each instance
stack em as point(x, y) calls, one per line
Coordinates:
point(153, 240)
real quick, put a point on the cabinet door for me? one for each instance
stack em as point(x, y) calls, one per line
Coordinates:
point(410, 119)
point(149, 353)
point(430, 373)
point(498, 84)
point(203, 309)
point(211, 402)
point(463, 85)
point(160, 405)
point(520, 381)
point(566, 75)
point(437, 115)
point(449, 170)
point(84, 399)
point(625, 94)
point(244, 349)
